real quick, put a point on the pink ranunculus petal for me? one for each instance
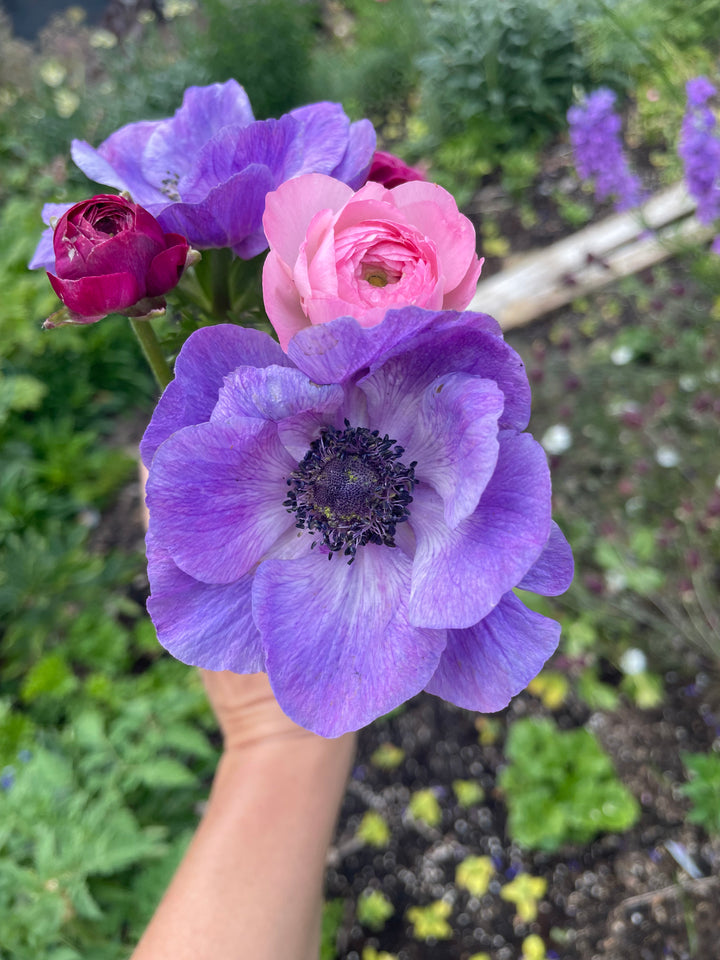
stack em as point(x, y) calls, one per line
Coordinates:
point(362, 253)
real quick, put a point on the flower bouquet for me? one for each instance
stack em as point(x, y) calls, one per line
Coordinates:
point(342, 492)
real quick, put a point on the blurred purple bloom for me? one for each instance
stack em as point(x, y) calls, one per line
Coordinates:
point(7, 778)
point(595, 138)
point(699, 150)
point(397, 452)
point(204, 172)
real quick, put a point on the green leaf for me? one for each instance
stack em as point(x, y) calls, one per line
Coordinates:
point(424, 806)
point(50, 677)
point(560, 787)
point(374, 830)
point(374, 909)
point(468, 792)
point(164, 772)
point(387, 756)
point(430, 922)
point(474, 874)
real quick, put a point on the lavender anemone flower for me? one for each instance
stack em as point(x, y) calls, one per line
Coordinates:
point(699, 149)
point(352, 516)
point(204, 172)
point(595, 138)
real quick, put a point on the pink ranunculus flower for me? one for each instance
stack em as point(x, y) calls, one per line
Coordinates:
point(112, 256)
point(391, 171)
point(334, 252)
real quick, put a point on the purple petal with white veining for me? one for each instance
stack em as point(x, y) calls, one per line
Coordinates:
point(331, 352)
point(205, 625)
point(215, 494)
point(273, 393)
point(339, 648)
point(265, 143)
point(200, 370)
point(117, 162)
point(322, 141)
point(485, 665)
point(460, 575)
point(552, 572)
point(354, 167)
point(172, 149)
point(400, 375)
point(453, 438)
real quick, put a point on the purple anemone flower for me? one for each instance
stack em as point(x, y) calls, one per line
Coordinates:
point(352, 516)
point(204, 172)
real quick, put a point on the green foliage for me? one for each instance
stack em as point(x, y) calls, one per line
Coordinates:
point(663, 42)
point(703, 790)
point(368, 60)
point(596, 694)
point(264, 44)
point(58, 835)
point(331, 921)
point(501, 72)
point(560, 787)
point(374, 909)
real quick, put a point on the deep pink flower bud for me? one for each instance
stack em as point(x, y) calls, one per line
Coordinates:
point(391, 171)
point(112, 256)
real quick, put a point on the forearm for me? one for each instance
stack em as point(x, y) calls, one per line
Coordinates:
point(250, 884)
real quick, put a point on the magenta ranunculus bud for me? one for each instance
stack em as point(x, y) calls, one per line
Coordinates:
point(112, 256)
point(391, 171)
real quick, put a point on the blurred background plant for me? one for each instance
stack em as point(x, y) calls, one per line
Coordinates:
point(106, 745)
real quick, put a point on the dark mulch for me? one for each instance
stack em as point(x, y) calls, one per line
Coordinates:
point(620, 897)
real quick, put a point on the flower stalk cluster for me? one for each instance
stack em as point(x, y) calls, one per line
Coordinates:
point(699, 149)
point(595, 135)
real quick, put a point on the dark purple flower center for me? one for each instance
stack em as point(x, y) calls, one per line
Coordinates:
point(352, 488)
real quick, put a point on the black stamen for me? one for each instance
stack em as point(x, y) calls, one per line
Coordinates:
point(351, 488)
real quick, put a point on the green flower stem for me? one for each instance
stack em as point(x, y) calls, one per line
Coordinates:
point(220, 263)
point(153, 351)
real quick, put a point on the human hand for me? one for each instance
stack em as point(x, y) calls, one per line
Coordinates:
point(250, 884)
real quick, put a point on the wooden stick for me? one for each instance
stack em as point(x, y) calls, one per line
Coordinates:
point(620, 245)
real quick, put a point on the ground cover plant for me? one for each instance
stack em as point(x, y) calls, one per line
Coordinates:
point(107, 747)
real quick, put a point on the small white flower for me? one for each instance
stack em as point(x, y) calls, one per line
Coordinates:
point(103, 39)
point(633, 662)
point(667, 456)
point(634, 505)
point(622, 355)
point(688, 382)
point(615, 580)
point(557, 439)
point(66, 103)
point(53, 73)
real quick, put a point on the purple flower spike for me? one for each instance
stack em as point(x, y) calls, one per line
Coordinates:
point(353, 516)
point(204, 172)
point(595, 138)
point(699, 149)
